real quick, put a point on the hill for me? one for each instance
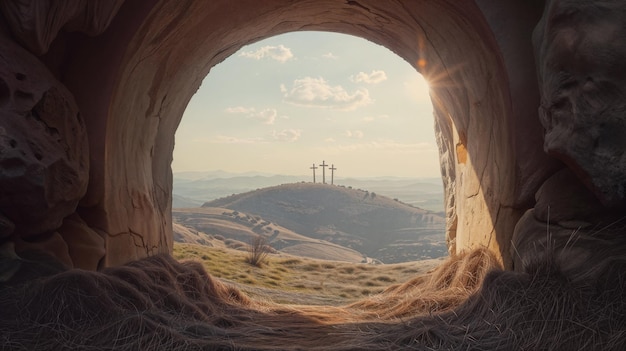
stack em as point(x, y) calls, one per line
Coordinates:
point(236, 229)
point(374, 225)
point(200, 187)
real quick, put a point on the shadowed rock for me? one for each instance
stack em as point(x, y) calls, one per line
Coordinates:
point(580, 55)
point(43, 145)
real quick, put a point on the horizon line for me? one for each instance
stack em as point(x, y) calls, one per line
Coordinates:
point(263, 173)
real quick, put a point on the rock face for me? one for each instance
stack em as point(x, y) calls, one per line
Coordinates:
point(111, 79)
point(36, 24)
point(43, 146)
point(580, 61)
point(581, 68)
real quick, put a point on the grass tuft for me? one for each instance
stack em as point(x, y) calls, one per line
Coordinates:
point(258, 251)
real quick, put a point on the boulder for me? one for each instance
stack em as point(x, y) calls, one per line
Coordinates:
point(580, 58)
point(43, 145)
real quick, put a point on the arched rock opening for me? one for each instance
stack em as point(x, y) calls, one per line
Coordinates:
point(132, 80)
point(91, 93)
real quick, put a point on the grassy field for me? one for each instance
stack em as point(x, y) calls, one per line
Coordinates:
point(296, 280)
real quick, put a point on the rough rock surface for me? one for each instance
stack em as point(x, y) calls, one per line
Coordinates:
point(43, 145)
point(580, 55)
point(36, 24)
point(133, 80)
point(84, 244)
point(580, 60)
point(567, 220)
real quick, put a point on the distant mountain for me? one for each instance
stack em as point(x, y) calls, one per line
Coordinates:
point(375, 225)
point(207, 188)
point(426, 193)
point(183, 202)
point(196, 175)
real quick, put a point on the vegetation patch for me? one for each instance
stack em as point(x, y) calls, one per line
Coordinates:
point(313, 280)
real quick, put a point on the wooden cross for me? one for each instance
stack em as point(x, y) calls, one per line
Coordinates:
point(324, 165)
point(313, 168)
point(332, 174)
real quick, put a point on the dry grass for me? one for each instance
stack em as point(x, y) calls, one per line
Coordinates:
point(237, 229)
point(335, 282)
point(467, 303)
point(258, 249)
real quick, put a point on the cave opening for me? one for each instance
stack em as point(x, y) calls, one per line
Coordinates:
point(472, 111)
point(265, 111)
point(132, 84)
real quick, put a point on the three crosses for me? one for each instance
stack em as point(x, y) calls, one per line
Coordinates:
point(324, 165)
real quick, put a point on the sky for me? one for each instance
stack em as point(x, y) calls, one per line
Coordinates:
point(285, 103)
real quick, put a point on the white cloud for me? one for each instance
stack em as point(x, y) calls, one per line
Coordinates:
point(225, 139)
point(393, 147)
point(288, 135)
point(239, 109)
point(285, 135)
point(267, 116)
point(330, 56)
point(316, 92)
point(357, 134)
point(373, 78)
point(373, 118)
point(279, 53)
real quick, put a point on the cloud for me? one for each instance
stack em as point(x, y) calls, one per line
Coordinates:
point(285, 135)
point(373, 118)
point(239, 109)
point(373, 78)
point(316, 92)
point(225, 139)
point(330, 56)
point(266, 116)
point(279, 53)
point(288, 135)
point(357, 134)
point(393, 147)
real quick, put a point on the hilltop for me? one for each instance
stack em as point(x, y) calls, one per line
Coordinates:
point(373, 225)
point(191, 189)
